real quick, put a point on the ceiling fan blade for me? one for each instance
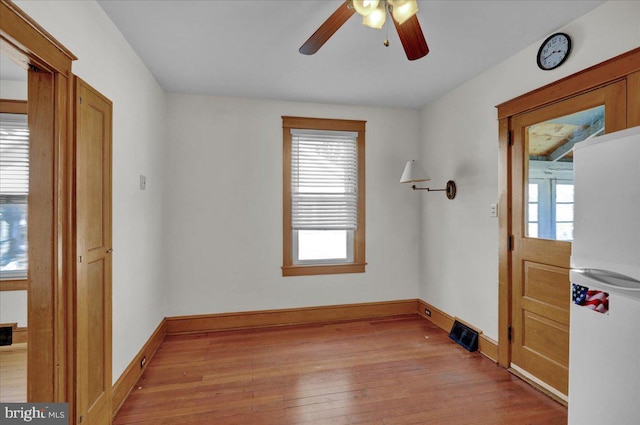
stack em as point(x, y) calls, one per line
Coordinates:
point(412, 38)
point(327, 29)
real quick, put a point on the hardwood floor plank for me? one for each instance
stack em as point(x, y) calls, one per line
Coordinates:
point(13, 373)
point(370, 372)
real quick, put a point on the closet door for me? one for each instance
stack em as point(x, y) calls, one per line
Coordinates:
point(93, 278)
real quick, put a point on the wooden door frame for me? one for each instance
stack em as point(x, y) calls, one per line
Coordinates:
point(625, 66)
point(50, 370)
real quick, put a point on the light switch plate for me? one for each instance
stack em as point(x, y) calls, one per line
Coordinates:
point(143, 182)
point(493, 210)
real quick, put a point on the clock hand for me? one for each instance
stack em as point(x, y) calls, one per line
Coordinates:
point(552, 53)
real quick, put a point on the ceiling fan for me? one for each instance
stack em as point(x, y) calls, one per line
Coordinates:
point(374, 12)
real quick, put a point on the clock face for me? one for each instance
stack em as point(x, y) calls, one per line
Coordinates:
point(554, 51)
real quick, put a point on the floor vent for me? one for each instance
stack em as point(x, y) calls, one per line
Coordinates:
point(464, 336)
point(6, 335)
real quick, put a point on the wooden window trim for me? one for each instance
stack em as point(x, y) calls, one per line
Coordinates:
point(358, 265)
point(10, 106)
point(13, 285)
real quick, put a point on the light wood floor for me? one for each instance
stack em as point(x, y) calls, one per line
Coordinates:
point(13, 373)
point(400, 371)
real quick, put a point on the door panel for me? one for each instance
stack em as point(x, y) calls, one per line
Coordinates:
point(93, 286)
point(96, 301)
point(542, 182)
point(543, 334)
point(540, 283)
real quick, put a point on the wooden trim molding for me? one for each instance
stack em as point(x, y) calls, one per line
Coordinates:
point(439, 318)
point(134, 371)
point(24, 34)
point(486, 346)
point(10, 106)
point(603, 73)
point(14, 285)
point(296, 270)
point(504, 233)
point(324, 314)
point(284, 317)
point(323, 124)
point(20, 334)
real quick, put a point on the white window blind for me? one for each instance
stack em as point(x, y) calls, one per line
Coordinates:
point(14, 158)
point(14, 189)
point(324, 180)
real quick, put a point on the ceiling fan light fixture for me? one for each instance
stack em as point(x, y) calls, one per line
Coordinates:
point(365, 7)
point(376, 18)
point(403, 9)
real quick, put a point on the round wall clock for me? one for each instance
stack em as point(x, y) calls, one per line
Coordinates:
point(554, 51)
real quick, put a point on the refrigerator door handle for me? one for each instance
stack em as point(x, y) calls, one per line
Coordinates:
point(606, 278)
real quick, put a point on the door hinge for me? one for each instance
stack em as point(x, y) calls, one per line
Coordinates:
point(509, 333)
point(510, 137)
point(510, 243)
point(80, 99)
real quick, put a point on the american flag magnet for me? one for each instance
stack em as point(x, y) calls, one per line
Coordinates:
point(592, 299)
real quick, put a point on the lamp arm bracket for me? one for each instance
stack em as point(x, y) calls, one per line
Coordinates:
point(450, 189)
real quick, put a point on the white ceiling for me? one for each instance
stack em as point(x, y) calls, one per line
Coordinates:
point(249, 48)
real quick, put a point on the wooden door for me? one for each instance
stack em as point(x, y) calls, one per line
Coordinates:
point(542, 208)
point(93, 282)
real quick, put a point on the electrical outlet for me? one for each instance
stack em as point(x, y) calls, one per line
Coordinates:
point(143, 361)
point(493, 210)
point(427, 312)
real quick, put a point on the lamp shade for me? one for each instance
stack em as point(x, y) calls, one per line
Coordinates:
point(403, 10)
point(365, 7)
point(376, 18)
point(413, 172)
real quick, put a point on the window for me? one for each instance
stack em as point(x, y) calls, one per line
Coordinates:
point(324, 196)
point(549, 199)
point(14, 188)
point(550, 209)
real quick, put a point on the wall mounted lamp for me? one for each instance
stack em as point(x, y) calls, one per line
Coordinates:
point(414, 173)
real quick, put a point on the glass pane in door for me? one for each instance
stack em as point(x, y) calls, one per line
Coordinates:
point(549, 190)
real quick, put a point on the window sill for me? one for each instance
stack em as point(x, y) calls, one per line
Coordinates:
point(323, 269)
point(13, 285)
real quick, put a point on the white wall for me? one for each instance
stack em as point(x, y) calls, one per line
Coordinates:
point(13, 307)
point(16, 90)
point(459, 140)
point(224, 208)
point(109, 64)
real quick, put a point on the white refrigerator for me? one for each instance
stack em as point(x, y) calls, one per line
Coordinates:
point(604, 350)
